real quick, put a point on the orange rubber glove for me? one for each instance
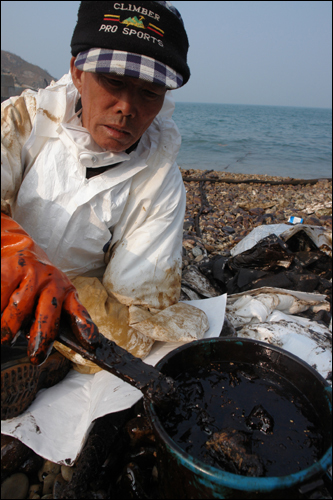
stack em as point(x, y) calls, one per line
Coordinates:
point(30, 283)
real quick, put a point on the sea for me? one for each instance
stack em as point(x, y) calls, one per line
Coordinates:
point(274, 140)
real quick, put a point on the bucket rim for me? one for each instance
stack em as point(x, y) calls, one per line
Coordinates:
point(227, 479)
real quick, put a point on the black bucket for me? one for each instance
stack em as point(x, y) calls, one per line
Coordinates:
point(184, 476)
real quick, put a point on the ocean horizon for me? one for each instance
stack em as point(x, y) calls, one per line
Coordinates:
point(263, 105)
point(286, 141)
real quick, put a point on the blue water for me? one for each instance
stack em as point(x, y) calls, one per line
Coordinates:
point(273, 140)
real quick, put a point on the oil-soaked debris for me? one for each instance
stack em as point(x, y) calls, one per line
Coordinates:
point(228, 329)
point(260, 419)
point(139, 431)
point(294, 265)
point(194, 279)
point(230, 449)
point(272, 263)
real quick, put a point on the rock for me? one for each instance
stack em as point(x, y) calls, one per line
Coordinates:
point(58, 486)
point(188, 245)
point(209, 248)
point(15, 486)
point(32, 464)
point(154, 473)
point(13, 454)
point(256, 211)
point(228, 229)
point(199, 258)
point(48, 468)
point(35, 489)
point(187, 225)
point(67, 472)
point(48, 484)
point(196, 251)
point(312, 220)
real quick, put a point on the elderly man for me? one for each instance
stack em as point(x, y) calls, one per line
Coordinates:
point(89, 183)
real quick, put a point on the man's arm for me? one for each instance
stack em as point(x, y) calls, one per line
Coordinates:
point(32, 289)
point(17, 115)
point(145, 264)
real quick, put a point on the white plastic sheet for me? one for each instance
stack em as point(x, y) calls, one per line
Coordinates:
point(270, 315)
point(319, 235)
point(309, 340)
point(255, 306)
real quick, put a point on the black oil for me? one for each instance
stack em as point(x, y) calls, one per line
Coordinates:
point(244, 419)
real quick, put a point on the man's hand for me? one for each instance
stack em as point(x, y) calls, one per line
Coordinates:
point(31, 284)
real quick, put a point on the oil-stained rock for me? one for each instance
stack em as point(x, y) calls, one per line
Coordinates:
point(15, 486)
point(13, 454)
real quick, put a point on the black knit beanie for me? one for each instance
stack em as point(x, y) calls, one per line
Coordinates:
point(147, 28)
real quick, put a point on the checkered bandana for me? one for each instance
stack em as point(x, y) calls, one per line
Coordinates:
point(128, 64)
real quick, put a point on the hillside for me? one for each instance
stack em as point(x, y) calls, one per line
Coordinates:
point(24, 73)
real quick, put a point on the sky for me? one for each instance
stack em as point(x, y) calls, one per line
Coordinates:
point(241, 52)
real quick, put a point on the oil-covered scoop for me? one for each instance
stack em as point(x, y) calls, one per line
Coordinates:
point(155, 386)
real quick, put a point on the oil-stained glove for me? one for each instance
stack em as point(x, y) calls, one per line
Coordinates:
point(30, 284)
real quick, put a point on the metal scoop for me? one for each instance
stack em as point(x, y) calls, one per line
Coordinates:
point(155, 386)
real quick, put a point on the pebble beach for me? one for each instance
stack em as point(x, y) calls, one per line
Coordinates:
point(224, 207)
point(221, 209)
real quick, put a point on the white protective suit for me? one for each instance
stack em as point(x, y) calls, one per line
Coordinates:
point(138, 204)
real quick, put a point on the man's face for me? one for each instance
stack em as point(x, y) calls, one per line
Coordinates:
point(116, 110)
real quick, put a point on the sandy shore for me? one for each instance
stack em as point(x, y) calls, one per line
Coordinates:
point(219, 214)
